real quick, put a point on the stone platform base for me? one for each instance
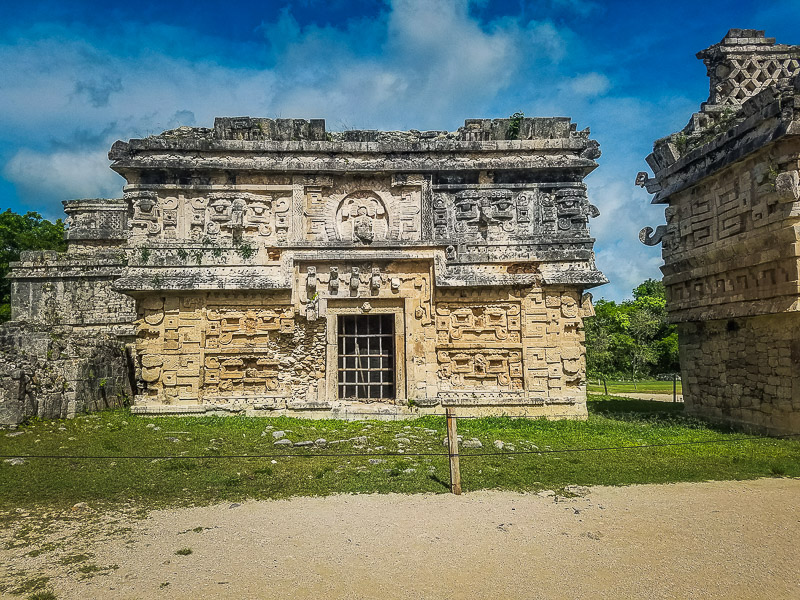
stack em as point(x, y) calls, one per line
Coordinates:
point(354, 411)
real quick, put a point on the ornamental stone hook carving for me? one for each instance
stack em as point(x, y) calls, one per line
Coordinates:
point(643, 180)
point(647, 237)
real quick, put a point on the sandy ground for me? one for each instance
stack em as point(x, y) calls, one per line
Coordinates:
point(706, 540)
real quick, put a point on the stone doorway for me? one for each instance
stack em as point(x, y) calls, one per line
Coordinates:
point(366, 357)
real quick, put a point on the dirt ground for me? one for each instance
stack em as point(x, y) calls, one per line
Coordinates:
point(701, 540)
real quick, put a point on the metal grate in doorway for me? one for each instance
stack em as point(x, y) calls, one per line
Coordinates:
point(366, 357)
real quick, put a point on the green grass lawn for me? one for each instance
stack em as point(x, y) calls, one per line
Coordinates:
point(185, 479)
point(647, 386)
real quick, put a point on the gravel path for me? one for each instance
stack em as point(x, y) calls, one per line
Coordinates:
point(702, 540)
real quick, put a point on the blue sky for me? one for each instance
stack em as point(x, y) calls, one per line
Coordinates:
point(76, 76)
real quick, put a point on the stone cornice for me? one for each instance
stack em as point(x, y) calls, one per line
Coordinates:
point(777, 119)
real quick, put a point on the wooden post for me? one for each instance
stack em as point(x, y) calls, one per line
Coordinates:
point(452, 443)
point(674, 387)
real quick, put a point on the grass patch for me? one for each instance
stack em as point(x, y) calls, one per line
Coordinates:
point(648, 386)
point(182, 479)
point(73, 559)
point(90, 568)
point(183, 552)
point(43, 595)
point(30, 584)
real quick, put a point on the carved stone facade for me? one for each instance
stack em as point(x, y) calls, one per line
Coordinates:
point(268, 266)
point(731, 244)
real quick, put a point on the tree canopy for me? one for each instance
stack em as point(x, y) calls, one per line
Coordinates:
point(632, 339)
point(23, 232)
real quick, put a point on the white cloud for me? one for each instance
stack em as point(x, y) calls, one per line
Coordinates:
point(624, 211)
point(427, 65)
point(64, 174)
point(588, 84)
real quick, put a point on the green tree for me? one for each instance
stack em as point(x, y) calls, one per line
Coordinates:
point(651, 288)
point(23, 232)
point(600, 361)
point(668, 360)
point(646, 320)
point(632, 339)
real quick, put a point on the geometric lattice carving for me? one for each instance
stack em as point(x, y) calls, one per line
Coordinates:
point(744, 63)
point(749, 75)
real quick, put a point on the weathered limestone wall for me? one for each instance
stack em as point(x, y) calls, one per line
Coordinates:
point(731, 243)
point(230, 349)
point(58, 373)
point(236, 252)
point(243, 351)
point(74, 288)
point(744, 371)
point(51, 288)
point(64, 351)
point(528, 350)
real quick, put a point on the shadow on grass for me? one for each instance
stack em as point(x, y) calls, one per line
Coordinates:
point(609, 405)
point(649, 411)
point(440, 481)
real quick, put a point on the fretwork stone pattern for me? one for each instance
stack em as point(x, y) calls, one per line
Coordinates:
point(731, 244)
point(234, 251)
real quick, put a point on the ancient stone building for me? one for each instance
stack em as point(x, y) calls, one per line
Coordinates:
point(731, 245)
point(270, 265)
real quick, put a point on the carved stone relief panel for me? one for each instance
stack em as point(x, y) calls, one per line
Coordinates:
point(410, 213)
point(476, 210)
point(190, 349)
point(479, 323)
point(96, 220)
point(246, 373)
point(314, 211)
point(441, 203)
point(360, 211)
point(146, 218)
point(170, 206)
point(573, 210)
point(363, 279)
point(361, 218)
point(169, 348)
point(230, 329)
point(245, 215)
point(487, 369)
point(481, 216)
point(232, 215)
